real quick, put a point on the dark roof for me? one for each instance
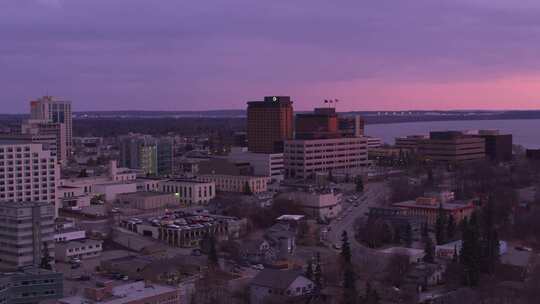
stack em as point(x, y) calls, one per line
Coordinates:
point(274, 278)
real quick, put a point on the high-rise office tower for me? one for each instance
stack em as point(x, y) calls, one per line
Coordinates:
point(51, 110)
point(28, 172)
point(322, 123)
point(31, 228)
point(154, 156)
point(269, 124)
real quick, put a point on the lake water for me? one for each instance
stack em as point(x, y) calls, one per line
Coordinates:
point(526, 132)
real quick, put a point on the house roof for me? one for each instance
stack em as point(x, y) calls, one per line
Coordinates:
point(274, 278)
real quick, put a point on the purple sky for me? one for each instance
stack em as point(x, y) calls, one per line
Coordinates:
point(192, 55)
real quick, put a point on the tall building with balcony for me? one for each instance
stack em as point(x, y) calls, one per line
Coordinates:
point(48, 109)
point(269, 124)
point(31, 228)
point(28, 172)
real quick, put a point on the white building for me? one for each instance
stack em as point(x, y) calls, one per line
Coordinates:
point(374, 142)
point(189, 191)
point(272, 284)
point(77, 192)
point(270, 165)
point(110, 191)
point(318, 204)
point(81, 249)
point(69, 234)
point(28, 172)
point(304, 158)
point(237, 183)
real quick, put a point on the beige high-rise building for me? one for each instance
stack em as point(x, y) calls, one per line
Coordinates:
point(51, 110)
point(28, 173)
point(49, 133)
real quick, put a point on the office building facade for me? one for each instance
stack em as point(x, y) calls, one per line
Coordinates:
point(452, 147)
point(153, 156)
point(322, 123)
point(269, 124)
point(304, 158)
point(52, 110)
point(351, 126)
point(30, 286)
point(31, 228)
point(498, 146)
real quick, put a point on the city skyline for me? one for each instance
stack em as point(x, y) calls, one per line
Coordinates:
point(165, 55)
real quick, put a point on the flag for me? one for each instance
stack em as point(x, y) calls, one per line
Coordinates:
point(325, 101)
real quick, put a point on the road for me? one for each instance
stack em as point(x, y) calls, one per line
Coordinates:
point(371, 196)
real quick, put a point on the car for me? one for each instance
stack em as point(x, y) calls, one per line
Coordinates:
point(356, 205)
point(75, 261)
point(337, 246)
point(258, 267)
point(75, 266)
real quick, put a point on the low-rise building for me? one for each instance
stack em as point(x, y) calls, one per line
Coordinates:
point(447, 251)
point(131, 293)
point(81, 249)
point(263, 164)
point(111, 190)
point(69, 234)
point(319, 204)
point(305, 158)
point(189, 191)
point(30, 286)
point(237, 183)
point(279, 285)
point(409, 143)
point(428, 207)
point(452, 147)
point(184, 229)
point(147, 200)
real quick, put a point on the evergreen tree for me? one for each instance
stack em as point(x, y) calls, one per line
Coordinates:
point(470, 252)
point(440, 226)
point(345, 248)
point(349, 277)
point(371, 296)
point(349, 285)
point(247, 189)
point(425, 231)
point(407, 235)
point(451, 228)
point(212, 253)
point(490, 240)
point(318, 272)
point(429, 251)
point(309, 269)
point(46, 258)
point(359, 184)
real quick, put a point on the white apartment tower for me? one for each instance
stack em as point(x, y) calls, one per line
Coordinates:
point(28, 173)
point(51, 110)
